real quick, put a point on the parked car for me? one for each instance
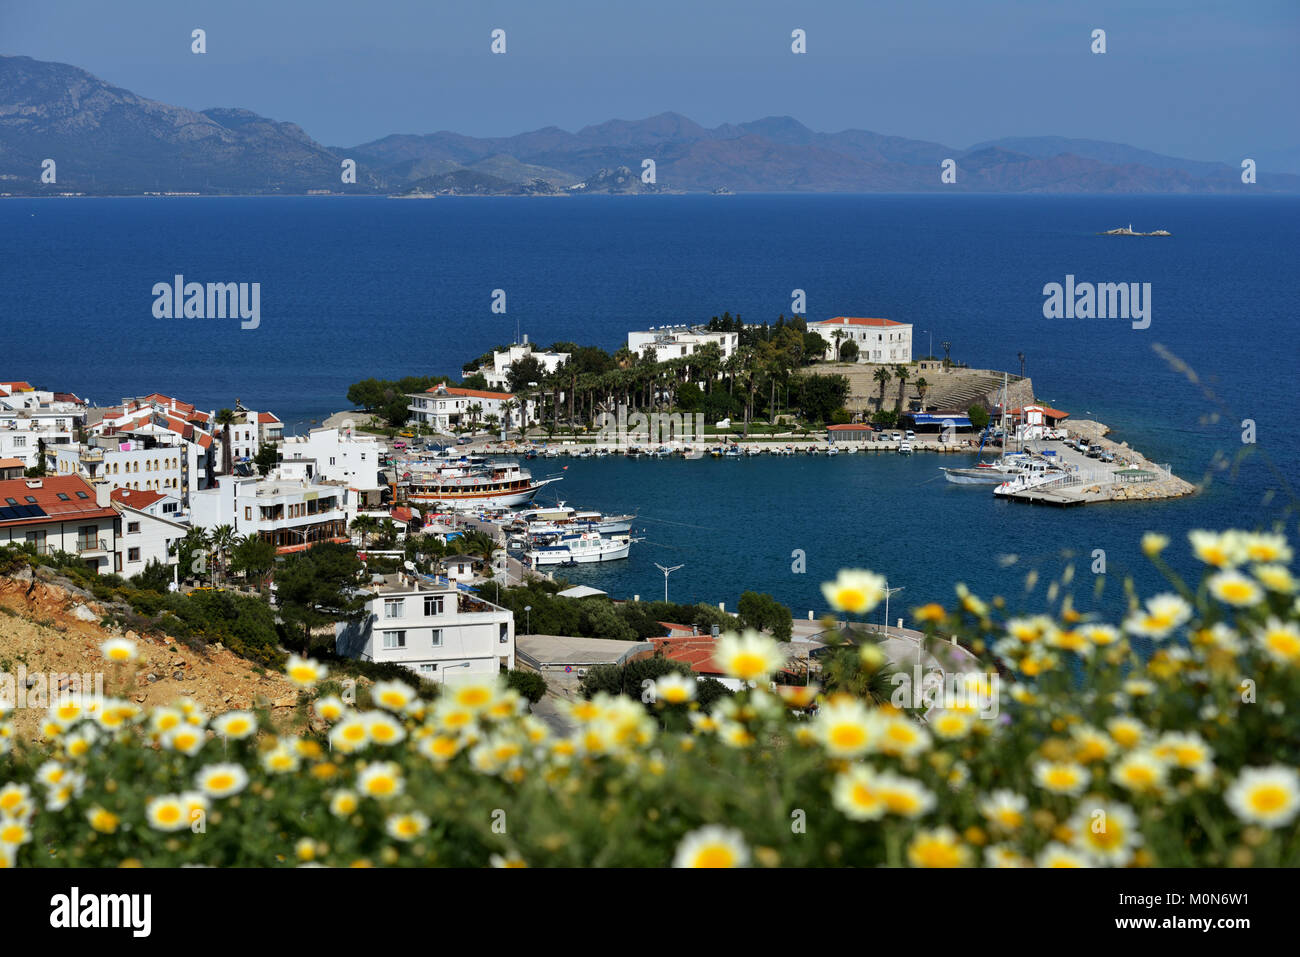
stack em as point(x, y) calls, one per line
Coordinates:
point(910, 436)
point(1094, 452)
point(399, 444)
point(1108, 456)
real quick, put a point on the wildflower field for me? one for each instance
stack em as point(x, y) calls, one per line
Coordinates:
point(1169, 738)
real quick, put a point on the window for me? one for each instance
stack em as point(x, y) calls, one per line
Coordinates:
point(248, 513)
point(82, 495)
point(394, 607)
point(63, 497)
point(394, 639)
point(505, 634)
point(437, 637)
point(11, 501)
point(432, 606)
point(20, 441)
point(133, 528)
point(133, 554)
point(428, 669)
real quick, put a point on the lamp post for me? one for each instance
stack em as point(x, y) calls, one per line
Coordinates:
point(528, 619)
point(667, 572)
point(930, 353)
point(889, 591)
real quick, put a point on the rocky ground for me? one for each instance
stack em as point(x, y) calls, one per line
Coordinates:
point(50, 627)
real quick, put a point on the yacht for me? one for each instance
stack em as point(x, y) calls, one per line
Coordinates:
point(462, 485)
point(580, 549)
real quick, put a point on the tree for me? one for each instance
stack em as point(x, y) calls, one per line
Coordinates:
point(882, 376)
point(222, 540)
point(267, 458)
point(900, 373)
point(523, 371)
point(979, 417)
point(318, 587)
point(843, 670)
point(157, 576)
point(922, 387)
point(226, 418)
point(253, 558)
point(39, 469)
point(821, 395)
point(529, 684)
point(764, 613)
point(838, 336)
point(192, 555)
point(849, 351)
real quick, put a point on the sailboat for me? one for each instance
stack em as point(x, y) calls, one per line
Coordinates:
point(997, 471)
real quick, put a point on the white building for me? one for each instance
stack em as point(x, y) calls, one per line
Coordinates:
point(335, 455)
point(444, 407)
point(124, 461)
point(878, 340)
point(497, 374)
point(676, 342)
point(439, 632)
point(144, 537)
point(23, 431)
point(159, 504)
point(291, 515)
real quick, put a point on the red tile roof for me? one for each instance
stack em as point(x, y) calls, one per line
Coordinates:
point(136, 498)
point(852, 427)
point(1046, 410)
point(265, 418)
point(13, 387)
point(468, 393)
point(12, 464)
point(856, 321)
point(47, 498)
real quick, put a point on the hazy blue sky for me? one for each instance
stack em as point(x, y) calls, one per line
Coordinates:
point(1206, 80)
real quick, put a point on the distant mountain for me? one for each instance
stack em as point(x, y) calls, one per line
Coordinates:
point(107, 140)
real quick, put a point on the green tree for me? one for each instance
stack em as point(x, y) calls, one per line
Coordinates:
point(882, 376)
point(267, 458)
point(253, 558)
point(529, 684)
point(979, 417)
point(764, 613)
point(318, 587)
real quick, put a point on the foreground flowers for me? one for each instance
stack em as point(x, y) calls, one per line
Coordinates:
point(1087, 752)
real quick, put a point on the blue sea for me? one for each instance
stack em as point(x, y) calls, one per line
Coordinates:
point(354, 288)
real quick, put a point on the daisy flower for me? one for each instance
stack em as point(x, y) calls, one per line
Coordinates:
point(1265, 547)
point(855, 591)
point(854, 794)
point(712, 846)
point(1219, 549)
point(406, 827)
point(381, 780)
point(1004, 809)
point(1233, 588)
point(304, 672)
point(329, 708)
point(1140, 772)
point(939, 847)
point(674, 688)
point(1280, 641)
point(845, 728)
point(749, 656)
point(1057, 854)
point(383, 728)
point(1060, 777)
point(235, 725)
point(903, 796)
point(167, 813)
point(1276, 578)
point(1163, 613)
point(392, 695)
point(344, 803)
point(1267, 796)
point(221, 780)
point(119, 650)
point(1106, 831)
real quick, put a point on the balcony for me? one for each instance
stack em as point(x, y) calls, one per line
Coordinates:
point(92, 546)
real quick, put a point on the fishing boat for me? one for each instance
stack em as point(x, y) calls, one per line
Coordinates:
point(904, 448)
point(1033, 475)
point(580, 549)
point(468, 485)
point(693, 454)
point(732, 452)
point(753, 450)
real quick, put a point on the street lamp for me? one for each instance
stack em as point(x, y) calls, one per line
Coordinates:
point(930, 354)
point(528, 619)
point(889, 591)
point(667, 572)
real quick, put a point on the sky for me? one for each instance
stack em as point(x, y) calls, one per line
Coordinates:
point(1189, 78)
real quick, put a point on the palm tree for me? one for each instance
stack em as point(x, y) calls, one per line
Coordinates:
point(838, 336)
point(365, 524)
point(882, 376)
point(508, 409)
point(921, 387)
point(900, 373)
point(226, 418)
point(223, 541)
point(475, 410)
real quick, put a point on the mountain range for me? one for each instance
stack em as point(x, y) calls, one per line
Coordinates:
point(108, 141)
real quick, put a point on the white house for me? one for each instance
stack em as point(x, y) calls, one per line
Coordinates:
point(158, 504)
point(334, 455)
point(438, 631)
point(497, 374)
point(144, 538)
point(23, 430)
point(676, 342)
point(126, 461)
point(443, 407)
point(291, 515)
point(878, 340)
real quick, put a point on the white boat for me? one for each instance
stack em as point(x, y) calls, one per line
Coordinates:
point(469, 485)
point(905, 448)
point(832, 451)
point(693, 454)
point(753, 450)
point(580, 549)
point(1033, 475)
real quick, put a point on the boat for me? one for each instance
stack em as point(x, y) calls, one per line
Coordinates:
point(753, 450)
point(732, 452)
point(1033, 475)
point(904, 448)
point(580, 549)
point(693, 454)
point(999, 470)
point(832, 451)
point(468, 485)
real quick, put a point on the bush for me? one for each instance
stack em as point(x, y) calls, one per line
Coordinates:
point(1145, 724)
point(528, 683)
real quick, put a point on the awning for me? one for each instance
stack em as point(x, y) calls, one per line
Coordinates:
point(927, 418)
